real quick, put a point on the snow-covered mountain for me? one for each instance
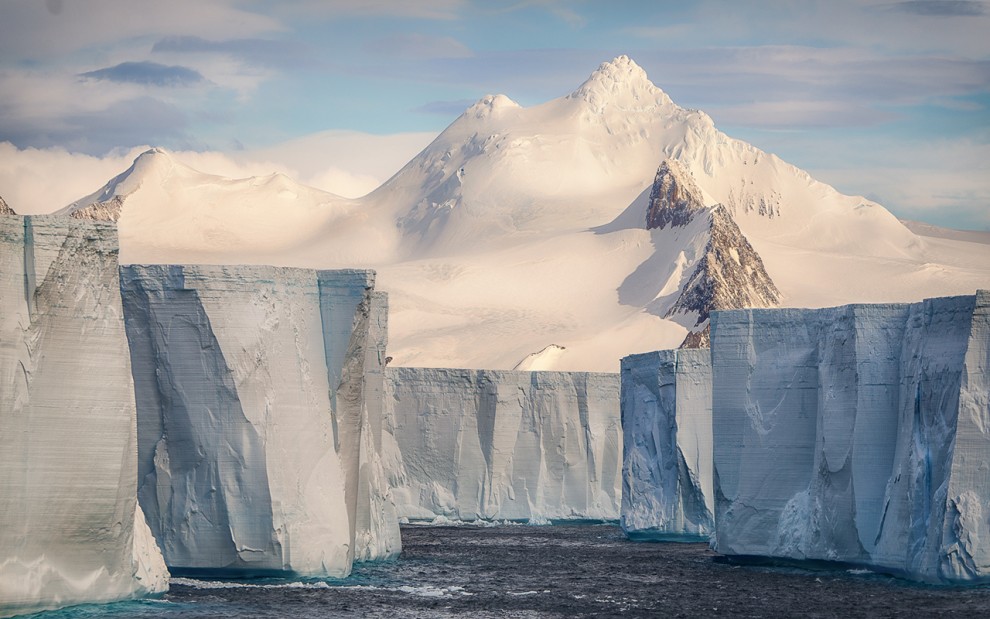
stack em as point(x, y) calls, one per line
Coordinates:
point(523, 235)
point(167, 211)
point(4, 209)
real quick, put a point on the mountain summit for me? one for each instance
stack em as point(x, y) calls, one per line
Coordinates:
point(620, 83)
point(153, 165)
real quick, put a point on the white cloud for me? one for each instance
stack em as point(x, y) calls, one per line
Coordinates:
point(43, 180)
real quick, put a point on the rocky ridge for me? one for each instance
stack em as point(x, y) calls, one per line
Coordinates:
point(729, 275)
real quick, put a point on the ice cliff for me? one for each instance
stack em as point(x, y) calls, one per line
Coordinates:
point(856, 434)
point(497, 445)
point(258, 418)
point(667, 445)
point(71, 530)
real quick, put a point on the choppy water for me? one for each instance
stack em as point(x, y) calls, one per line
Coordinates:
point(554, 571)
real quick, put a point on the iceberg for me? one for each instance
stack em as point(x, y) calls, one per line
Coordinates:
point(252, 416)
point(504, 445)
point(667, 446)
point(856, 434)
point(72, 530)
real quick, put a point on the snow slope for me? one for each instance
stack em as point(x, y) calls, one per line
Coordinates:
point(519, 228)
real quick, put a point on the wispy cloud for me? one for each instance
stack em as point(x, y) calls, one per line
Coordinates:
point(419, 46)
point(256, 51)
point(942, 8)
point(147, 73)
point(40, 30)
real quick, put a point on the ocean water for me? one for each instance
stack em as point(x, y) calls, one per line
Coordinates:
point(553, 571)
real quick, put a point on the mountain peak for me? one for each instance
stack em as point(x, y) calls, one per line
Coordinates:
point(490, 105)
point(675, 197)
point(623, 81)
point(153, 165)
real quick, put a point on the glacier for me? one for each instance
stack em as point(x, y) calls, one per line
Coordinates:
point(503, 445)
point(256, 446)
point(73, 531)
point(666, 406)
point(856, 434)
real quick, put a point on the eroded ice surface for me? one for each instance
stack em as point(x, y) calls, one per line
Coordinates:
point(667, 445)
point(71, 530)
point(856, 434)
point(497, 445)
point(252, 413)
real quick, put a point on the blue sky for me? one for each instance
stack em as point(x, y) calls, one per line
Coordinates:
point(887, 99)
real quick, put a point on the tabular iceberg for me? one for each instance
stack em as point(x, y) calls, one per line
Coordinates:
point(72, 531)
point(504, 445)
point(667, 445)
point(251, 414)
point(856, 434)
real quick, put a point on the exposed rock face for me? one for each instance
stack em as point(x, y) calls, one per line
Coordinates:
point(667, 445)
point(72, 531)
point(4, 209)
point(856, 434)
point(675, 198)
point(100, 211)
point(253, 417)
point(494, 445)
point(729, 275)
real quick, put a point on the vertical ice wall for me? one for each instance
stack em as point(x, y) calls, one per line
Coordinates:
point(480, 444)
point(251, 403)
point(71, 530)
point(377, 524)
point(855, 434)
point(667, 434)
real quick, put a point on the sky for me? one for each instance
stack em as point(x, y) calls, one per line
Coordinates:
point(886, 99)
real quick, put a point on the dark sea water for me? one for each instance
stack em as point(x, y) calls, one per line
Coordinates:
point(555, 571)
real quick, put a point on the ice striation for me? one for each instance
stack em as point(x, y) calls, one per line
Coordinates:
point(503, 445)
point(253, 423)
point(856, 434)
point(667, 445)
point(72, 530)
